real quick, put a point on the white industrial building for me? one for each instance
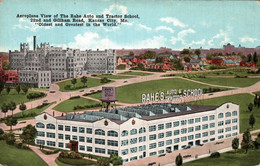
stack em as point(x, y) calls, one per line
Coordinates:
point(139, 131)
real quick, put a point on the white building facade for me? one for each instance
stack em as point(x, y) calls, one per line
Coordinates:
point(138, 132)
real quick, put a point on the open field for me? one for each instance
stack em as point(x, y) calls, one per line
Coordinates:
point(92, 82)
point(13, 96)
point(230, 158)
point(235, 82)
point(243, 100)
point(136, 73)
point(68, 105)
point(132, 93)
point(109, 76)
point(12, 156)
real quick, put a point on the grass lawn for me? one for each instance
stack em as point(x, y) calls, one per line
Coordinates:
point(235, 82)
point(90, 83)
point(231, 73)
point(113, 76)
point(258, 93)
point(12, 156)
point(40, 89)
point(68, 105)
point(67, 162)
point(34, 110)
point(243, 100)
point(59, 163)
point(230, 158)
point(136, 73)
point(132, 93)
point(13, 96)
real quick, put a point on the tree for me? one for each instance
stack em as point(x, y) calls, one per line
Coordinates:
point(255, 59)
point(258, 102)
point(177, 65)
point(84, 80)
point(251, 120)
point(185, 51)
point(5, 65)
point(9, 138)
point(74, 81)
point(178, 160)
point(4, 108)
point(159, 60)
point(131, 53)
point(102, 161)
point(257, 140)
point(240, 54)
point(22, 107)
point(18, 88)
point(115, 159)
point(197, 52)
point(235, 144)
point(2, 86)
point(12, 106)
point(8, 89)
point(247, 141)
point(249, 58)
point(140, 66)
point(29, 133)
point(104, 80)
point(10, 121)
point(209, 56)
point(255, 100)
point(148, 55)
point(250, 107)
point(186, 59)
point(25, 89)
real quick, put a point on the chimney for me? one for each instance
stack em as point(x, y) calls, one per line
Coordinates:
point(34, 43)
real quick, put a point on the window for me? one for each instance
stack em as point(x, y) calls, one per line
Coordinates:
point(61, 145)
point(89, 140)
point(74, 137)
point(124, 142)
point(112, 133)
point(152, 146)
point(221, 123)
point(198, 135)
point(152, 154)
point(168, 133)
point(89, 130)
point(133, 132)
point(160, 135)
point(197, 128)
point(205, 118)
point(133, 140)
point(89, 148)
point(99, 132)
point(81, 139)
point(211, 125)
point(228, 122)
point(190, 129)
point(183, 131)
point(191, 121)
point(169, 142)
point(99, 141)
point(109, 151)
point(133, 150)
point(212, 132)
point(112, 143)
point(175, 124)
point(142, 148)
point(205, 126)
point(221, 136)
point(51, 143)
point(228, 114)
point(60, 127)
point(168, 125)
point(142, 130)
point(124, 152)
point(51, 135)
point(205, 134)
point(197, 120)
point(60, 136)
point(228, 129)
point(50, 126)
point(220, 115)
point(124, 133)
point(152, 137)
point(211, 117)
point(234, 113)
point(82, 130)
point(183, 122)
point(228, 135)
point(234, 127)
point(183, 139)
point(234, 134)
point(100, 150)
point(220, 130)
point(176, 140)
point(176, 132)
point(234, 120)
point(190, 137)
point(41, 134)
point(74, 129)
point(160, 126)
point(142, 139)
point(67, 137)
point(133, 158)
point(67, 128)
point(160, 144)
point(40, 125)
point(82, 148)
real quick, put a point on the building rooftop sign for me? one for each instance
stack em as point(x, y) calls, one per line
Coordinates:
point(108, 94)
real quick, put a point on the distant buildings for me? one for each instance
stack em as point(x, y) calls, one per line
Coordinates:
point(45, 64)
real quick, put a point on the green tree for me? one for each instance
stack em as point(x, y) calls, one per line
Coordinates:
point(29, 133)
point(178, 160)
point(185, 51)
point(12, 106)
point(257, 140)
point(235, 144)
point(10, 121)
point(84, 80)
point(246, 141)
point(250, 107)
point(186, 59)
point(5, 65)
point(197, 52)
point(251, 120)
point(240, 54)
point(148, 55)
point(22, 107)
point(255, 59)
point(209, 56)
point(159, 60)
point(18, 88)
point(2, 86)
point(101, 161)
point(131, 53)
point(9, 138)
point(249, 58)
point(141, 66)
point(115, 159)
point(255, 100)
point(8, 89)
point(1, 131)
point(4, 108)
point(74, 81)
point(104, 80)
point(177, 65)
point(25, 89)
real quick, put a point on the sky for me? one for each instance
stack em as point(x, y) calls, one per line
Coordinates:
point(165, 23)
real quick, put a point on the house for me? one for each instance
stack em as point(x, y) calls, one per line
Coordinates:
point(217, 61)
point(9, 76)
point(229, 63)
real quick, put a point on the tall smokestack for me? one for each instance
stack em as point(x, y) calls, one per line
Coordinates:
point(34, 42)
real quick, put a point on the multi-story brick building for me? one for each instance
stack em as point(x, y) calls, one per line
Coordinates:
point(57, 63)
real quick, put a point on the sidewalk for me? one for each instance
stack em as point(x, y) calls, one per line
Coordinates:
point(48, 159)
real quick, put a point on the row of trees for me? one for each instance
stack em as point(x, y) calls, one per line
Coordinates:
point(18, 88)
point(83, 79)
